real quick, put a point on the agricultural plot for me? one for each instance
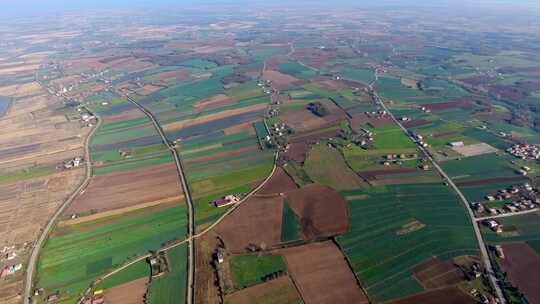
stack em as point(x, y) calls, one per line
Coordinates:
point(395, 228)
point(170, 287)
point(480, 167)
point(278, 291)
point(101, 245)
point(249, 270)
point(326, 166)
point(520, 228)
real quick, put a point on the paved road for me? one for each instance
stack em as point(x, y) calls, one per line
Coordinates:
point(478, 219)
point(34, 255)
point(187, 195)
point(483, 251)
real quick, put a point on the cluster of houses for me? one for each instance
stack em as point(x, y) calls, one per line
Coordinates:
point(10, 262)
point(419, 139)
point(278, 136)
point(523, 197)
point(376, 114)
point(226, 201)
point(266, 86)
point(397, 158)
point(525, 151)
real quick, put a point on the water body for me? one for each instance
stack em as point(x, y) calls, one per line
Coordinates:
point(4, 105)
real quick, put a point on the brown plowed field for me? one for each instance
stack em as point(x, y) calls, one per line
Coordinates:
point(222, 155)
point(248, 126)
point(436, 273)
point(522, 264)
point(322, 275)
point(464, 104)
point(451, 295)
point(127, 115)
point(495, 180)
point(297, 152)
point(214, 102)
point(124, 189)
point(278, 291)
point(279, 80)
point(280, 182)
point(322, 211)
point(373, 174)
point(176, 75)
point(257, 221)
point(129, 293)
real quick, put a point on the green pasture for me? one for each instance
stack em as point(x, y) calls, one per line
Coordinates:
point(136, 271)
point(170, 288)
point(363, 75)
point(291, 229)
point(249, 270)
point(130, 164)
point(326, 166)
point(479, 167)
point(26, 174)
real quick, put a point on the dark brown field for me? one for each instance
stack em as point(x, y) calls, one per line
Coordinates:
point(322, 211)
point(436, 273)
point(278, 291)
point(322, 274)
point(297, 152)
point(280, 182)
point(522, 264)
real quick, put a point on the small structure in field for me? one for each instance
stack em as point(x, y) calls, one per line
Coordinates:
point(226, 200)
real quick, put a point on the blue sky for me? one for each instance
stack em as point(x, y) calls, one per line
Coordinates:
point(37, 6)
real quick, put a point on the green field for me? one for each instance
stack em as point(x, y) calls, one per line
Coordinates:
point(25, 174)
point(136, 271)
point(170, 288)
point(480, 167)
point(249, 270)
point(291, 229)
point(74, 256)
point(326, 166)
point(382, 253)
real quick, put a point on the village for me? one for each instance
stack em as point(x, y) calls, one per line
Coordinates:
point(525, 151)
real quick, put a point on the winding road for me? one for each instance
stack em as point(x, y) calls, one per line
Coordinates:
point(482, 246)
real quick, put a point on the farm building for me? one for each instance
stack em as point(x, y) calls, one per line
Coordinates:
point(456, 144)
point(225, 201)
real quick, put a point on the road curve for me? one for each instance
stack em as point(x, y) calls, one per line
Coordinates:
point(187, 195)
point(482, 246)
point(34, 255)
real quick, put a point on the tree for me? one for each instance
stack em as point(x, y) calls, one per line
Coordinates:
point(317, 108)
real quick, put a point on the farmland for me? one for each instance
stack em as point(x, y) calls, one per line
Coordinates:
point(121, 130)
point(376, 218)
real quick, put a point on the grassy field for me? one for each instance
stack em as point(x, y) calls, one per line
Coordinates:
point(480, 167)
point(74, 256)
point(171, 287)
point(382, 252)
point(136, 271)
point(249, 270)
point(290, 227)
point(326, 166)
point(30, 173)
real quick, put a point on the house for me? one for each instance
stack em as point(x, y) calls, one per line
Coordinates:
point(53, 298)
point(455, 144)
point(227, 200)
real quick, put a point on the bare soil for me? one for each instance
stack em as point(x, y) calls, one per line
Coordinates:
point(322, 211)
point(280, 182)
point(522, 263)
point(278, 291)
point(124, 189)
point(322, 275)
point(256, 222)
point(129, 293)
point(297, 152)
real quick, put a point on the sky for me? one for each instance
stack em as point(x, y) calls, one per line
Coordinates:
point(22, 7)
